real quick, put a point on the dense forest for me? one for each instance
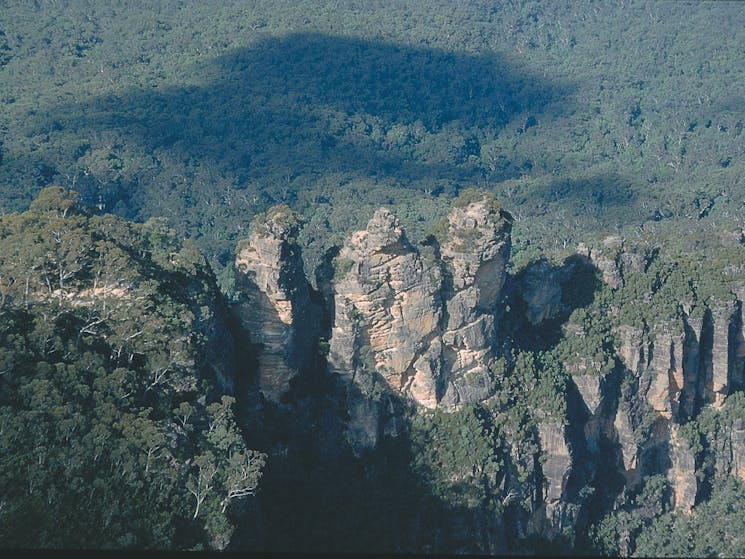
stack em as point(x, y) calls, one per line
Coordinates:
point(147, 146)
point(110, 402)
point(582, 118)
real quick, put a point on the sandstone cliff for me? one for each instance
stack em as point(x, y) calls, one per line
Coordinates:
point(422, 324)
point(426, 328)
point(474, 256)
point(387, 313)
point(274, 305)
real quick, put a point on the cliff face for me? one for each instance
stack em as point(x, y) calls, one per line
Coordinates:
point(474, 257)
point(676, 370)
point(387, 313)
point(422, 324)
point(274, 304)
point(427, 325)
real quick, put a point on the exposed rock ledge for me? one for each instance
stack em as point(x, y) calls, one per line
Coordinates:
point(423, 323)
point(275, 305)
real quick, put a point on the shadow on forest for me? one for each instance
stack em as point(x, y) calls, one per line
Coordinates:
point(311, 104)
point(318, 496)
point(542, 296)
point(604, 190)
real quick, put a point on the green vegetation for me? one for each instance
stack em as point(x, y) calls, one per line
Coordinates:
point(622, 527)
point(715, 529)
point(458, 454)
point(471, 195)
point(579, 119)
point(113, 432)
point(342, 267)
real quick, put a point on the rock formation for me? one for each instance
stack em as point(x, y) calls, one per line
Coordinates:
point(423, 325)
point(682, 473)
point(275, 305)
point(474, 256)
point(387, 313)
point(557, 464)
point(540, 288)
point(614, 260)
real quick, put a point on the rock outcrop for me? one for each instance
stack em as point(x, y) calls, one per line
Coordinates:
point(540, 288)
point(474, 254)
point(387, 313)
point(724, 315)
point(275, 305)
point(677, 369)
point(682, 472)
point(418, 327)
point(557, 462)
point(687, 363)
point(614, 260)
point(633, 349)
point(729, 449)
point(662, 382)
point(422, 323)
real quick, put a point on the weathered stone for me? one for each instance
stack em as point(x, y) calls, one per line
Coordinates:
point(608, 267)
point(363, 428)
point(590, 390)
point(722, 358)
point(387, 308)
point(275, 305)
point(737, 441)
point(633, 350)
point(738, 339)
point(691, 366)
point(662, 383)
point(627, 442)
point(425, 330)
point(540, 288)
point(557, 464)
point(474, 256)
point(682, 473)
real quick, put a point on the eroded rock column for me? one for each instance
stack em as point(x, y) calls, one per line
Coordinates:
point(275, 306)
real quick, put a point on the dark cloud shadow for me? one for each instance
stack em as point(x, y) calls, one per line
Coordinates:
point(542, 296)
point(309, 104)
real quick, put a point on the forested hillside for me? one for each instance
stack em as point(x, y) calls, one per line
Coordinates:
point(582, 117)
point(271, 267)
point(116, 424)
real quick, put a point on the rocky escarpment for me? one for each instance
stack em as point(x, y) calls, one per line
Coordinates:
point(678, 369)
point(274, 304)
point(608, 393)
point(422, 323)
point(671, 406)
point(680, 359)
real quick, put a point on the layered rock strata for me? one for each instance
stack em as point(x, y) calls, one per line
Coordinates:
point(275, 305)
point(679, 368)
point(387, 311)
point(474, 257)
point(687, 364)
point(422, 324)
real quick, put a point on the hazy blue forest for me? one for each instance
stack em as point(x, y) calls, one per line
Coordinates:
point(170, 124)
